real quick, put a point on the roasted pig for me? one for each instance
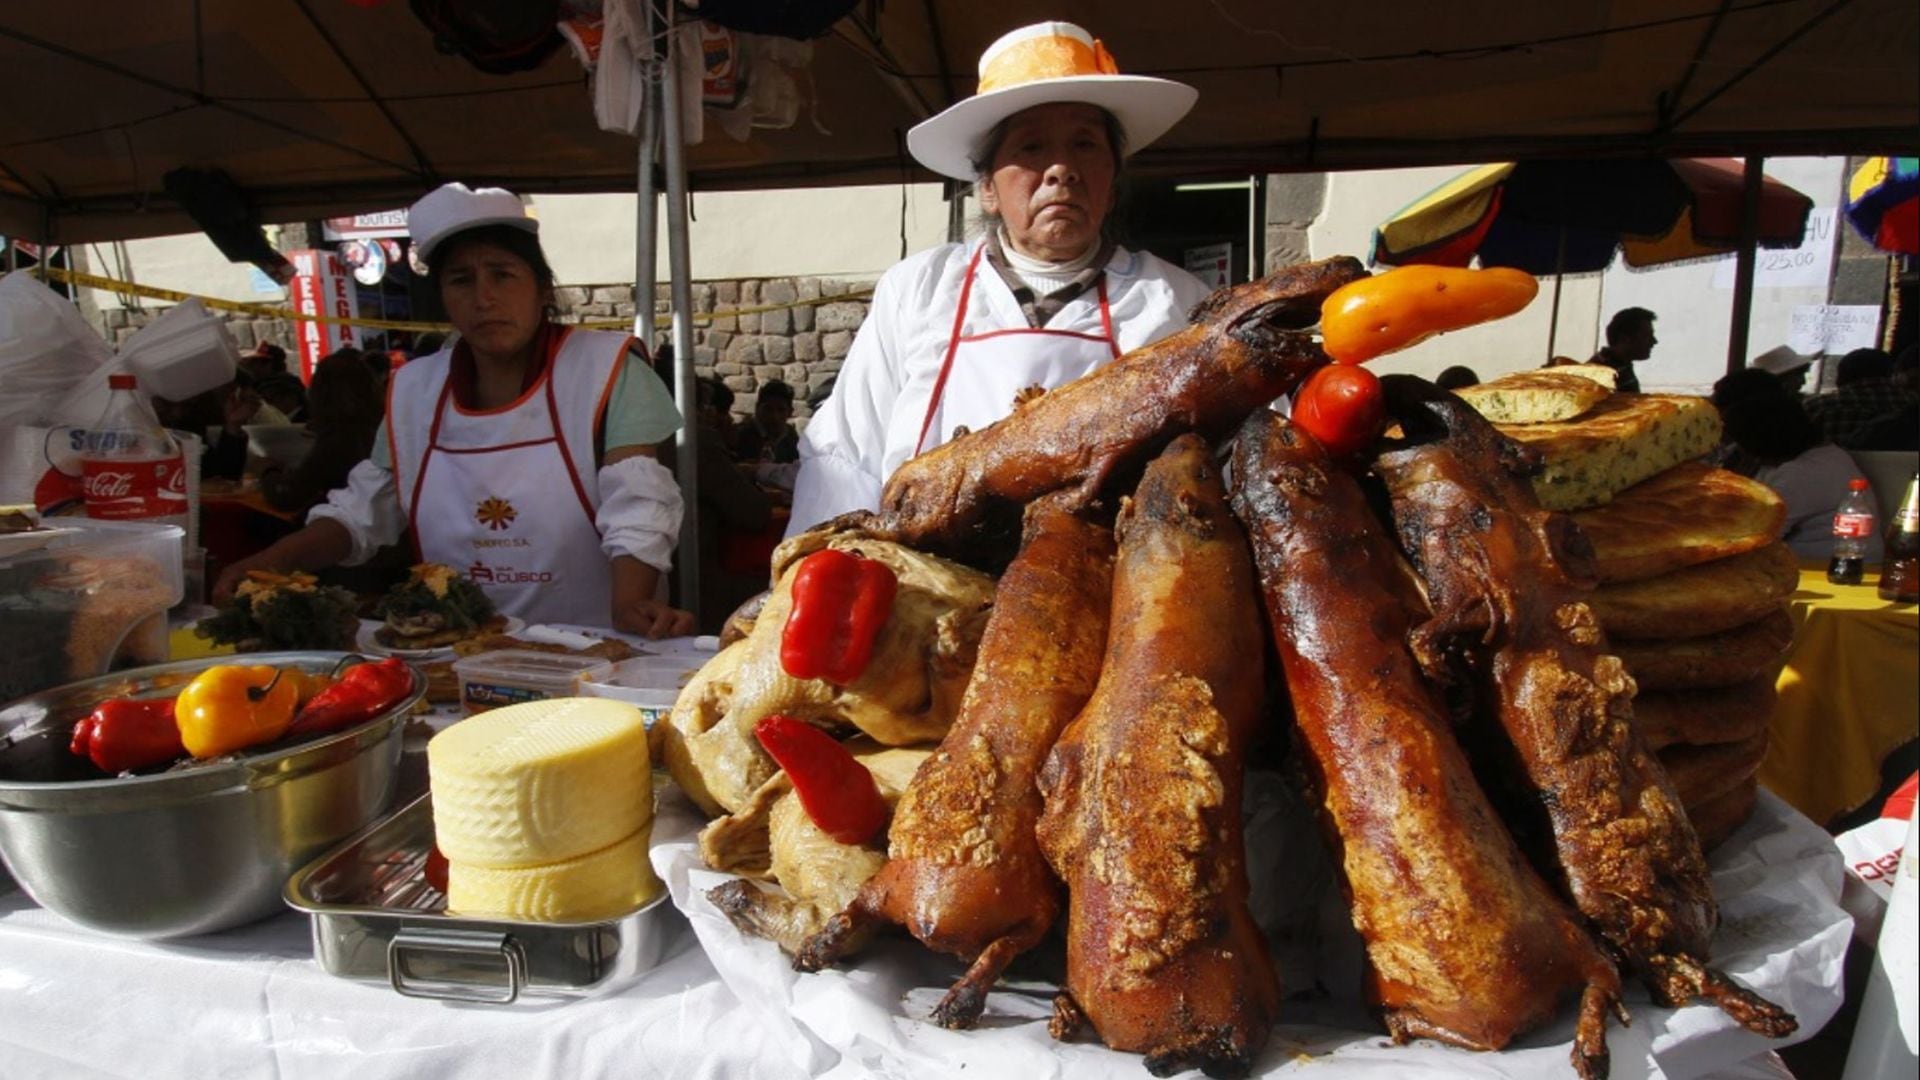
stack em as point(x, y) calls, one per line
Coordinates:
point(964, 873)
point(1142, 817)
point(1509, 581)
point(1465, 942)
point(1247, 346)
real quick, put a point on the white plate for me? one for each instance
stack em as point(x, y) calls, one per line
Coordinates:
point(367, 642)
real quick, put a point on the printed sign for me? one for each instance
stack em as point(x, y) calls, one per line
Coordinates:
point(1212, 264)
point(322, 287)
point(1834, 329)
point(364, 226)
point(1809, 264)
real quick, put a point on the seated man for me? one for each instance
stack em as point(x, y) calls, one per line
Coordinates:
point(768, 434)
point(1865, 391)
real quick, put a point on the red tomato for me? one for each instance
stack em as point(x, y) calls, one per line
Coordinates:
point(1341, 406)
point(437, 869)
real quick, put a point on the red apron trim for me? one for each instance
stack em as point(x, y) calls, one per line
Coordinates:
point(1081, 334)
point(953, 345)
point(522, 445)
point(954, 340)
point(606, 394)
point(1106, 318)
point(573, 474)
point(555, 336)
point(426, 459)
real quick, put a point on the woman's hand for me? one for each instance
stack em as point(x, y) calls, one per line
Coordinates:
point(635, 609)
point(235, 573)
point(652, 619)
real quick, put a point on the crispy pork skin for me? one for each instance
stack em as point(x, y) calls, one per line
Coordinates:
point(965, 874)
point(1142, 817)
point(1508, 581)
point(1248, 346)
point(1465, 942)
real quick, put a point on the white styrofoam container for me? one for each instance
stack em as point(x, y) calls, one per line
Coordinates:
point(184, 352)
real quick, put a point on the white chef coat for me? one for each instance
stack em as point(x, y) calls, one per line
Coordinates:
point(886, 390)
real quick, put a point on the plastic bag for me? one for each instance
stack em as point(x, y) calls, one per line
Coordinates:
point(46, 350)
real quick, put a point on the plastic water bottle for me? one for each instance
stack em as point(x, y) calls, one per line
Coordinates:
point(1852, 528)
point(130, 467)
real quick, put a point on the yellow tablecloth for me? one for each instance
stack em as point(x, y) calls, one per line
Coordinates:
point(1849, 695)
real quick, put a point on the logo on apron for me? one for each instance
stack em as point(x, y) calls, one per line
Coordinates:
point(495, 513)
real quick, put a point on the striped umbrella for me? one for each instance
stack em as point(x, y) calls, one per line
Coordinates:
point(1883, 202)
point(1570, 217)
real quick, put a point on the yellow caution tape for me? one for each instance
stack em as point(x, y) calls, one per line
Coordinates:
point(269, 311)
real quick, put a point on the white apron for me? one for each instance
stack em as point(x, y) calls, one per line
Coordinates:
point(994, 366)
point(509, 496)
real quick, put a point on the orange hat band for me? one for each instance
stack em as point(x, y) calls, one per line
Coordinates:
point(1038, 58)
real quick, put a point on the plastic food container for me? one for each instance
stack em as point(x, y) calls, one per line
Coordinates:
point(651, 683)
point(510, 676)
point(82, 597)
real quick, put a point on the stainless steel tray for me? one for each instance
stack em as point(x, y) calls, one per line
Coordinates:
point(377, 919)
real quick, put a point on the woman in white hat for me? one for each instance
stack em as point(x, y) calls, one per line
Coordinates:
point(1043, 298)
point(523, 455)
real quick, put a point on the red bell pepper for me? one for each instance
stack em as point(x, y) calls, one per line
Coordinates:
point(129, 733)
point(835, 790)
point(840, 602)
point(364, 692)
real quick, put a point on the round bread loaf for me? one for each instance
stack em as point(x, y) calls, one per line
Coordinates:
point(1702, 773)
point(1715, 820)
point(1704, 717)
point(1688, 515)
point(1734, 656)
point(1703, 599)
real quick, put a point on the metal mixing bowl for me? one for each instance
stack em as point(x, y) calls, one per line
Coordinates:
point(192, 850)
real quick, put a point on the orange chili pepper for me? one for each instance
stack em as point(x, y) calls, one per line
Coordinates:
point(1409, 304)
point(230, 707)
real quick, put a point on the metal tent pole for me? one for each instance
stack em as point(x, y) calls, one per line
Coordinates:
point(1559, 272)
point(646, 241)
point(681, 288)
point(1743, 268)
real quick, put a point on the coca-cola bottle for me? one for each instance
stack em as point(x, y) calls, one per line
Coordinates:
point(130, 467)
point(1852, 528)
point(1900, 572)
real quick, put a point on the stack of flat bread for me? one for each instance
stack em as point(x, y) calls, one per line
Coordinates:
point(1694, 581)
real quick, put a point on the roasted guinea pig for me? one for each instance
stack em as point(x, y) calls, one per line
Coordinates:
point(1248, 346)
point(771, 839)
point(964, 872)
point(1509, 583)
point(908, 692)
point(1465, 942)
point(1142, 817)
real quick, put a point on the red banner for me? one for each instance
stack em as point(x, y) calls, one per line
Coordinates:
point(322, 287)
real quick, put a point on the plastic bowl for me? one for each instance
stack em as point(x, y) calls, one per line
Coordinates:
point(195, 849)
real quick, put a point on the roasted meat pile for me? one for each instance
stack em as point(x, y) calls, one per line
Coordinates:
point(1506, 842)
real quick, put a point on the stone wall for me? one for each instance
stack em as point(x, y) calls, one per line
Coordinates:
point(802, 342)
point(118, 324)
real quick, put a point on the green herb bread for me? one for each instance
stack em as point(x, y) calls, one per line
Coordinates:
point(1622, 441)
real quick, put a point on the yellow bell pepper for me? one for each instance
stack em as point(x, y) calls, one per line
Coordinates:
point(232, 706)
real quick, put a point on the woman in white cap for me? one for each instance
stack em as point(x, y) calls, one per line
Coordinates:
point(523, 455)
point(955, 333)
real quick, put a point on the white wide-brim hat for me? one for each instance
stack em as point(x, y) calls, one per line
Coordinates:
point(1039, 65)
point(454, 208)
point(1780, 360)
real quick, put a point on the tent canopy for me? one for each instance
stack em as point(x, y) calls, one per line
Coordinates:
point(321, 107)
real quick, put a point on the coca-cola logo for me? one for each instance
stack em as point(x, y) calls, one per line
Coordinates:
point(108, 485)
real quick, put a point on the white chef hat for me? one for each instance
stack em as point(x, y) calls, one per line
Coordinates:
point(1780, 360)
point(454, 208)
